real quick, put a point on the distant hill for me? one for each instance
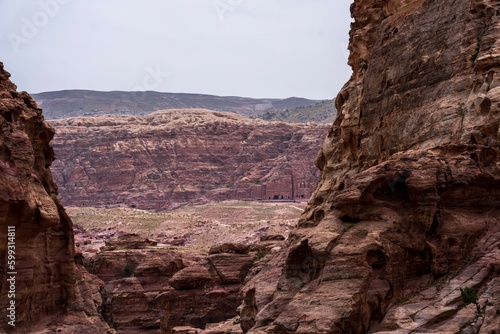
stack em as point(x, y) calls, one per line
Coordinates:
point(321, 112)
point(72, 103)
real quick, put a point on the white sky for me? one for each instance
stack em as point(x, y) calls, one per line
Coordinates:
point(254, 48)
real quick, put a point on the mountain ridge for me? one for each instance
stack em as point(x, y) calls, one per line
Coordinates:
point(71, 103)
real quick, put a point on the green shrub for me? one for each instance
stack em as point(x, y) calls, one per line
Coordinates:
point(128, 271)
point(259, 255)
point(469, 295)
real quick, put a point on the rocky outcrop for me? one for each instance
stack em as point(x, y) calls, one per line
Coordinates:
point(50, 290)
point(128, 241)
point(155, 289)
point(177, 157)
point(406, 213)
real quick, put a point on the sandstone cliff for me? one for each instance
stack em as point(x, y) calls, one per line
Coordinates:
point(51, 291)
point(176, 157)
point(154, 289)
point(407, 210)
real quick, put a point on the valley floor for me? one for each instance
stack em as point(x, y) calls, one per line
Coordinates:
point(194, 227)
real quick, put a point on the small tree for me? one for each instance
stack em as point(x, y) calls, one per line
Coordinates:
point(469, 296)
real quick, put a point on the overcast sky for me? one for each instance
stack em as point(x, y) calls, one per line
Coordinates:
point(254, 48)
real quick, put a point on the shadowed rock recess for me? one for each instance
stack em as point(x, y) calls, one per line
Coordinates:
point(51, 291)
point(407, 210)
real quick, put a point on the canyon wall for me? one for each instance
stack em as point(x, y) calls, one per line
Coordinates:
point(154, 289)
point(49, 290)
point(177, 157)
point(406, 214)
point(404, 220)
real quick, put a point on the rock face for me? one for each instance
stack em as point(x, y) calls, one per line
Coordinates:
point(48, 283)
point(406, 213)
point(177, 157)
point(155, 289)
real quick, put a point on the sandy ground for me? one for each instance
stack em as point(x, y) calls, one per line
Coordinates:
point(196, 227)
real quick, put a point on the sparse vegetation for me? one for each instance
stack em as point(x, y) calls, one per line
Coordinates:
point(323, 112)
point(208, 224)
point(461, 109)
point(259, 255)
point(476, 51)
point(128, 271)
point(469, 296)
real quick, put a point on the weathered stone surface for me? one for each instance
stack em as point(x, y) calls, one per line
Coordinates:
point(231, 268)
point(229, 248)
point(185, 330)
point(129, 241)
point(159, 263)
point(127, 303)
point(408, 204)
point(190, 278)
point(48, 284)
point(272, 237)
point(172, 158)
point(156, 289)
point(196, 308)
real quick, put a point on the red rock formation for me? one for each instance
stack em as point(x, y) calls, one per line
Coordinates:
point(49, 286)
point(176, 157)
point(407, 209)
point(154, 289)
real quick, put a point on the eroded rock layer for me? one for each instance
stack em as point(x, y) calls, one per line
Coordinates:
point(177, 157)
point(151, 289)
point(50, 290)
point(407, 211)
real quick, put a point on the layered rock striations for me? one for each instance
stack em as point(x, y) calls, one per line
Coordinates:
point(50, 291)
point(152, 289)
point(406, 214)
point(176, 157)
